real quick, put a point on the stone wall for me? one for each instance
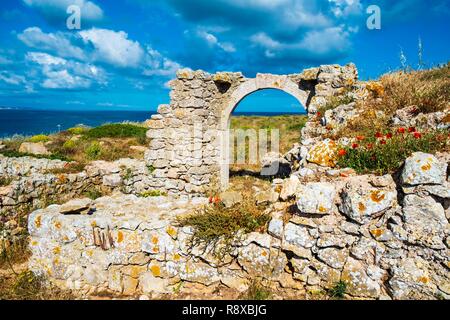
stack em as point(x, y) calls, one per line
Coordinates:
point(385, 238)
point(34, 185)
point(190, 143)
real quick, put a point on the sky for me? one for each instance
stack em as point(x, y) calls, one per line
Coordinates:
point(126, 51)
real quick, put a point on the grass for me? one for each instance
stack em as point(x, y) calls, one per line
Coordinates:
point(257, 292)
point(93, 193)
point(428, 91)
point(118, 130)
point(28, 286)
point(215, 222)
point(385, 152)
point(17, 154)
point(338, 291)
point(289, 127)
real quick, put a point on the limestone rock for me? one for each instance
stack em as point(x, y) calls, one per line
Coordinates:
point(274, 165)
point(76, 206)
point(113, 180)
point(267, 196)
point(360, 201)
point(424, 168)
point(359, 283)
point(316, 198)
point(34, 148)
point(333, 257)
point(323, 153)
point(230, 198)
point(289, 187)
point(424, 220)
point(411, 279)
point(298, 235)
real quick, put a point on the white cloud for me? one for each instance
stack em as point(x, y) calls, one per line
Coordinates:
point(11, 78)
point(212, 41)
point(56, 42)
point(60, 73)
point(114, 47)
point(89, 10)
point(156, 64)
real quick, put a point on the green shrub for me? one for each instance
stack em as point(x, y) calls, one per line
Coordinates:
point(385, 152)
point(70, 145)
point(214, 223)
point(117, 130)
point(94, 150)
point(78, 130)
point(39, 138)
point(339, 290)
point(93, 193)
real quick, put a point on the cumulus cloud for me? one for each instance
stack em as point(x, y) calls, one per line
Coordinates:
point(11, 78)
point(55, 9)
point(59, 42)
point(59, 73)
point(114, 47)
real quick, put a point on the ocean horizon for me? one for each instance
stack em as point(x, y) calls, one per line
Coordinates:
point(28, 121)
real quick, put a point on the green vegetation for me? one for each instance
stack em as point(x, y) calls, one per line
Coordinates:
point(385, 152)
point(93, 193)
point(39, 138)
point(93, 151)
point(17, 154)
point(78, 130)
point(28, 286)
point(257, 292)
point(5, 181)
point(215, 223)
point(117, 130)
point(336, 101)
point(152, 193)
point(339, 290)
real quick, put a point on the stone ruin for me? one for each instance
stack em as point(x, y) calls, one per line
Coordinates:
point(386, 237)
point(189, 151)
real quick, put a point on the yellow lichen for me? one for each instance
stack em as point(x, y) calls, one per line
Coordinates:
point(377, 196)
point(119, 236)
point(156, 270)
point(37, 221)
point(361, 207)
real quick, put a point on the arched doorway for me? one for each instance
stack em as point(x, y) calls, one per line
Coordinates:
point(262, 82)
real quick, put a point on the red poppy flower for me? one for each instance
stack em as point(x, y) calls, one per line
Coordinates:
point(378, 135)
point(370, 146)
point(360, 138)
point(417, 135)
point(319, 113)
point(342, 152)
point(389, 135)
point(355, 146)
point(411, 129)
point(401, 130)
point(383, 141)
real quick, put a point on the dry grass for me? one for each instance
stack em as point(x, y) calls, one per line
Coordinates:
point(289, 127)
point(428, 91)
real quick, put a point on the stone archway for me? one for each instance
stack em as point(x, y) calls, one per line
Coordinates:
point(261, 82)
point(182, 163)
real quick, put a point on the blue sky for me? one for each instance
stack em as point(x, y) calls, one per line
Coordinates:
point(127, 50)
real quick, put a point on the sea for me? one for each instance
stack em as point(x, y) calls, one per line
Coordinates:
point(18, 121)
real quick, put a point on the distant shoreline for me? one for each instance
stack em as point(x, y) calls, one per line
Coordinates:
point(30, 121)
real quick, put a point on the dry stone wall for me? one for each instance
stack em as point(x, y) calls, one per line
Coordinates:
point(385, 239)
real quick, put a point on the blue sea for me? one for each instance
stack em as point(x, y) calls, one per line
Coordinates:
point(32, 121)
